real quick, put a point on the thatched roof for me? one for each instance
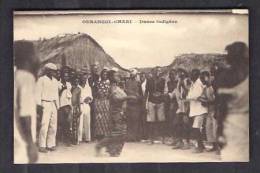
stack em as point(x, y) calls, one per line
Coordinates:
point(74, 50)
point(191, 61)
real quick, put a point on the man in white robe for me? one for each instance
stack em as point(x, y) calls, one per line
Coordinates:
point(85, 99)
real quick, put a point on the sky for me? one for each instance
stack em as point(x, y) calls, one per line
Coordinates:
point(138, 44)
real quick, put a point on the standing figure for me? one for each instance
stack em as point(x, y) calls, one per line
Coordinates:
point(156, 110)
point(65, 111)
point(197, 110)
point(144, 101)
point(48, 99)
point(25, 150)
point(236, 94)
point(76, 109)
point(208, 100)
point(93, 79)
point(133, 110)
point(95, 76)
point(85, 99)
point(171, 105)
point(115, 141)
point(102, 106)
point(181, 122)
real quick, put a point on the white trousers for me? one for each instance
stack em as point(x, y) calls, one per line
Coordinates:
point(47, 134)
point(84, 123)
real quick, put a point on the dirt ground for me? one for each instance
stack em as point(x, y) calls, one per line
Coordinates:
point(132, 153)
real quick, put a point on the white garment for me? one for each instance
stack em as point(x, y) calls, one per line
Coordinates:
point(59, 84)
point(65, 98)
point(195, 92)
point(47, 95)
point(24, 105)
point(47, 134)
point(84, 122)
point(48, 90)
point(84, 132)
point(143, 85)
point(85, 92)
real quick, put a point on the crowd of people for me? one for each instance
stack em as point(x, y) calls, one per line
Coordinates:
point(180, 108)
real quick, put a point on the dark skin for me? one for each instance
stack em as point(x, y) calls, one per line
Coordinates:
point(181, 76)
point(95, 69)
point(195, 75)
point(32, 151)
point(77, 98)
point(206, 81)
point(133, 76)
point(116, 79)
point(104, 76)
point(83, 81)
point(173, 75)
point(57, 75)
point(65, 79)
point(142, 77)
point(50, 74)
point(156, 73)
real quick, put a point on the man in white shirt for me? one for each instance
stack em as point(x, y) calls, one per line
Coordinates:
point(65, 111)
point(85, 99)
point(48, 99)
point(25, 150)
point(196, 109)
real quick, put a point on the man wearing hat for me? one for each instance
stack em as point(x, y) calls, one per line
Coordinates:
point(25, 150)
point(48, 99)
point(133, 111)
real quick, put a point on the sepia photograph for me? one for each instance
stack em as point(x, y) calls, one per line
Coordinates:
point(131, 86)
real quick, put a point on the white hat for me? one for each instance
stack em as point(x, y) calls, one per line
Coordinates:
point(51, 66)
point(133, 71)
point(114, 69)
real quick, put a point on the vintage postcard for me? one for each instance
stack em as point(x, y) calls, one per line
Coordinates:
point(131, 86)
